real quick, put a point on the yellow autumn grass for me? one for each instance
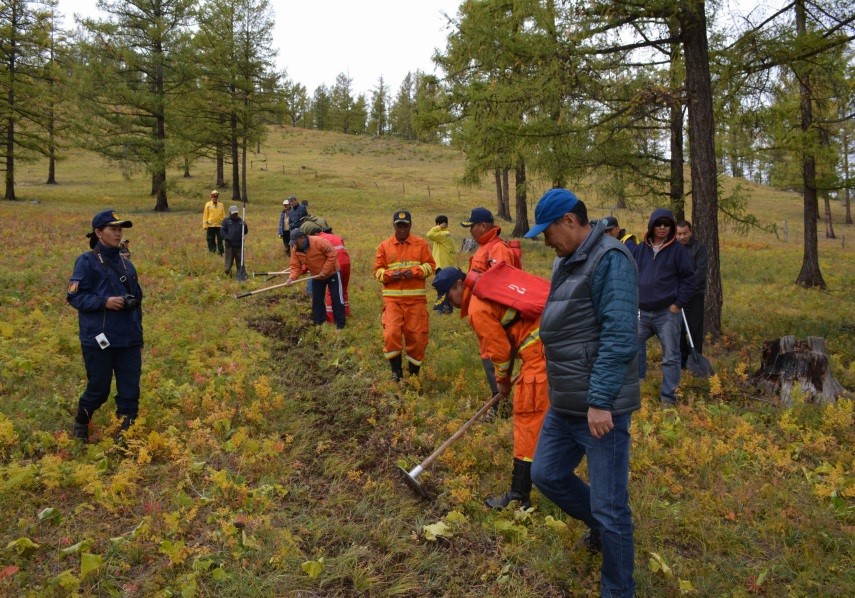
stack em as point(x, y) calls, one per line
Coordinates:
point(263, 463)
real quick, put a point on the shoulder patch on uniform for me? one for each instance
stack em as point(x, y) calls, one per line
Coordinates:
point(72, 286)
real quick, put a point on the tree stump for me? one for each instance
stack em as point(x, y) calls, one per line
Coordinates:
point(787, 360)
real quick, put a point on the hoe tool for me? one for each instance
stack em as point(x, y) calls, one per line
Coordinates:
point(411, 477)
point(275, 286)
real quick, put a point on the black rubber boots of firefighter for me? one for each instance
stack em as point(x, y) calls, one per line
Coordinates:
point(520, 488)
point(397, 366)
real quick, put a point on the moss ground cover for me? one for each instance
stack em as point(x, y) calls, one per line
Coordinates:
point(264, 460)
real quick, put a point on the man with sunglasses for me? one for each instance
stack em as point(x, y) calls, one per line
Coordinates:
point(666, 283)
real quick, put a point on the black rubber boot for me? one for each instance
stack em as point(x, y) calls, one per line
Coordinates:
point(397, 368)
point(81, 425)
point(413, 369)
point(520, 488)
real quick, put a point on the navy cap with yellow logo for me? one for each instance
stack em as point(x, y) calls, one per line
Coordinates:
point(402, 216)
point(109, 218)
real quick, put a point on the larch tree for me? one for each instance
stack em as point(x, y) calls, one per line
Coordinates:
point(136, 62)
point(378, 116)
point(25, 36)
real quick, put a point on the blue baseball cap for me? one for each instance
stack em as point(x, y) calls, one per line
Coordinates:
point(443, 281)
point(552, 206)
point(478, 216)
point(109, 218)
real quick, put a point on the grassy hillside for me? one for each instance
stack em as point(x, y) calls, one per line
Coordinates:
point(264, 460)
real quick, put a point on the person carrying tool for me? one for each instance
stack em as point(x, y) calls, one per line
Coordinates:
point(694, 309)
point(502, 334)
point(232, 231)
point(491, 250)
point(402, 264)
point(321, 260)
point(588, 330)
point(344, 272)
point(212, 218)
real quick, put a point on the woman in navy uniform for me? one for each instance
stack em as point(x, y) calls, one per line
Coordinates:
point(107, 296)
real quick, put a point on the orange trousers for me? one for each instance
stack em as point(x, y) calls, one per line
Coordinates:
point(531, 401)
point(405, 324)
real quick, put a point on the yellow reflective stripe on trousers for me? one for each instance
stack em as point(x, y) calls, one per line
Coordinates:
point(404, 293)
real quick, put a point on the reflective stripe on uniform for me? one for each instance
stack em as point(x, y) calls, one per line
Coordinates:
point(532, 338)
point(404, 293)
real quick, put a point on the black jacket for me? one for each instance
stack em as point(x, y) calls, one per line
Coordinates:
point(230, 231)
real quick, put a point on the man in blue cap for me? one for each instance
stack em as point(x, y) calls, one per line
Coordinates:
point(106, 293)
point(588, 330)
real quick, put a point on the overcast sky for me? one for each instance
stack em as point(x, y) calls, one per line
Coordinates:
point(318, 39)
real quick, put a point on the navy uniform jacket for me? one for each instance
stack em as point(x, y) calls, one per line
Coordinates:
point(91, 284)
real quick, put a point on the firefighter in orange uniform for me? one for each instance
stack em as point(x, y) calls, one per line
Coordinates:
point(402, 264)
point(491, 249)
point(503, 334)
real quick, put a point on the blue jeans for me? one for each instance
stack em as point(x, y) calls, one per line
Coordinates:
point(666, 326)
point(604, 504)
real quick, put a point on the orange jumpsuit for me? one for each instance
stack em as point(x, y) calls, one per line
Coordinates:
point(405, 316)
point(491, 249)
point(500, 330)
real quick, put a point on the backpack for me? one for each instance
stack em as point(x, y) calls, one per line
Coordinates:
point(511, 287)
point(313, 224)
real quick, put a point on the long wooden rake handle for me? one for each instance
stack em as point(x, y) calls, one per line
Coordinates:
point(275, 286)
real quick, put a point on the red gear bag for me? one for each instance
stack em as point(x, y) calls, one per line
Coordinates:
point(510, 287)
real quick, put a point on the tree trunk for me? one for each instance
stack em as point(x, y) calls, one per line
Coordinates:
point(521, 227)
point(846, 199)
point(787, 360)
point(677, 191)
point(10, 161)
point(221, 178)
point(810, 275)
point(702, 154)
point(162, 205)
point(497, 174)
point(186, 167)
point(235, 159)
point(51, 127)
point(829, 226)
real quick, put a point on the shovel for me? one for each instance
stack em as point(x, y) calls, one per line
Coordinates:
point(696, 363)
point(411, 477)
point(241, 271)
point(275, 286)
